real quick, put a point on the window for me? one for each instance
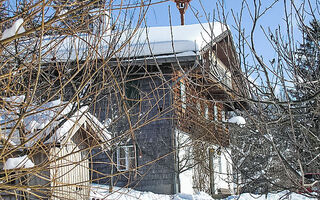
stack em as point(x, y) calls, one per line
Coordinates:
point(215, 110)
point(206, 111)
point(183, 94)
point(220, 163)
point(126, 158)
point(199, 107)
point(132, 92)
point(223, 118)
point(217, 160)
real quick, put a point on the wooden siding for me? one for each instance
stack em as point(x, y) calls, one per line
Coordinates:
point(191, 120)
point(70, 171)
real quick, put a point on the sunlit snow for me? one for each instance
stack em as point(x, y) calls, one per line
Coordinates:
point(18, 162)
point(99, 192)
point(16, 28)
point(237, 120)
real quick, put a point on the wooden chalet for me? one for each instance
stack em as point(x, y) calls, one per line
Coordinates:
point(180, 83)
point(191, 79)
point(60, 154)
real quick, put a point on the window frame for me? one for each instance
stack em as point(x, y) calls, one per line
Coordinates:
point(206, 111)
point(127, 158)
point(183, 95)
point(198, 106)
point(223, 118)
point(215, 112)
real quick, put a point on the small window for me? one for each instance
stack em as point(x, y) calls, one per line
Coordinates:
point(199, 107)
point(223, 118)
point(220, 163)
point(215, 110)
point(132, 92)
point(183, 95)
point(217, 160)
point(206, 111)
point(126, 158)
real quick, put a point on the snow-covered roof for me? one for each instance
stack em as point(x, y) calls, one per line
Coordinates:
point(16, 28)
point(168, 40)
point(144, 42)
point(47, 123)
point(18, 162)
point(150, 41)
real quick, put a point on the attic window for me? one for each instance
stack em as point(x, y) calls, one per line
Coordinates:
point(126, 158)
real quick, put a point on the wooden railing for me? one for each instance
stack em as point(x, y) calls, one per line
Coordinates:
point(220, 72)
point(204, 129)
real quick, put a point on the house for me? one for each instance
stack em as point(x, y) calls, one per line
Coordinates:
point(166, 97)
point(172, 136)
point(52, 160)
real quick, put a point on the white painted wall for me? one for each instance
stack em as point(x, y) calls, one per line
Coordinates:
point(184, 150)
point(222, 167)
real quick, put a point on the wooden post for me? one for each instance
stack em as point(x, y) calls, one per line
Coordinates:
point(211, 168)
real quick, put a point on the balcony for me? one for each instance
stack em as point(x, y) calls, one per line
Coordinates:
point(219, 72)
point(203, 129)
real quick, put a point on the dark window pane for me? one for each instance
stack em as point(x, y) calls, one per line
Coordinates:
point(132, 163)
point(122, 164)
point(122, 152)
point(131, 152)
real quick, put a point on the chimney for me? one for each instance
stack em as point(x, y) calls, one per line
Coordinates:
point(182, 6)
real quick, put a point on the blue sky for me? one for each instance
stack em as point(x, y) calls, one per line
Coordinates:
point(273, 19)
point(158, 15)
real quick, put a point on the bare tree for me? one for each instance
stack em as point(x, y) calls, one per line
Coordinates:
point(279, 143)
point(58, 61)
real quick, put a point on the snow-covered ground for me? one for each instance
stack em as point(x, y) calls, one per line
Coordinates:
point(99, 192)
point(284, 195)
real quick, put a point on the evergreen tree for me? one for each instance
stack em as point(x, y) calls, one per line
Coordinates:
point(307, 89)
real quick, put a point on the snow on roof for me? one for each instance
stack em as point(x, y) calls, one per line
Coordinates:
point(178, 39)
point(146, 42)
point(16, 28)
point(18, 162)
point(43, 120)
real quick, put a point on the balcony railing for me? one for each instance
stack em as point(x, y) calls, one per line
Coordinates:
point(206, 129)
point(220, 72)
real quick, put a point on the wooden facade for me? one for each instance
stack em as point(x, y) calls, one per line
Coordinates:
point(62, 169)
point(202, 99)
